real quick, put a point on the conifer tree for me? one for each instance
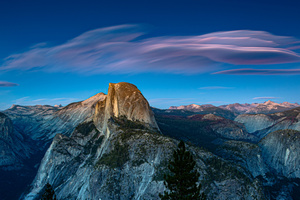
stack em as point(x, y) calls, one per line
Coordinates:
point(181, 182)
point(49, 193)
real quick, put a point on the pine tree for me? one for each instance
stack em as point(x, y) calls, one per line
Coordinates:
point(181, 182)
point(49, 193)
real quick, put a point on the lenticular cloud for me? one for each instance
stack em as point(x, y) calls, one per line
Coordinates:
point(118, 49)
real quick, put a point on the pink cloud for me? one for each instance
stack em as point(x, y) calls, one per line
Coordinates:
point(118, 49)
point(294, 47)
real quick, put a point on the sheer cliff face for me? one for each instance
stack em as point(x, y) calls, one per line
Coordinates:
point(119, 154)
point(124, 100)
point(6, 128)
point(13, 149)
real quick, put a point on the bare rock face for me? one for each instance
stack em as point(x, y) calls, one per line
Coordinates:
point(130, 164)
point(255, 122)
point(124, 100)
point(13, 149)
point(43, 122)
point(261, 125)
point(280, 150)
point(245, 154)
point(119, 154)
point(66, 119)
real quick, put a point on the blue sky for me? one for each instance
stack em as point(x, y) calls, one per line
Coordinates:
point(176, 52)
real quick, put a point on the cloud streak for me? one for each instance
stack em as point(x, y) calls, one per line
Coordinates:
point(215, 88)
point(260, 72)
point(7, 84)
point(119, 49)
point(265, 98)
point(45, 101)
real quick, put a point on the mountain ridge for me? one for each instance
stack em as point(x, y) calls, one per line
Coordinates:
point(237, 108)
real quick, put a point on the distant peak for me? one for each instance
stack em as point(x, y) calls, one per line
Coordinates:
point(269, 102)
point(192, 106)
point(58, 106)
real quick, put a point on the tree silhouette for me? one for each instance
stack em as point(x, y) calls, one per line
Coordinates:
point(181, 182)
point(49, 193)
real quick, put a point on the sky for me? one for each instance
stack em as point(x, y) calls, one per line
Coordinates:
point(176, 52)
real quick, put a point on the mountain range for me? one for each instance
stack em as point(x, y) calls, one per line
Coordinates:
point(254, 108)
point(115, 146)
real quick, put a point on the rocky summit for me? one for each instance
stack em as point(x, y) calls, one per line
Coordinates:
point(124, 100)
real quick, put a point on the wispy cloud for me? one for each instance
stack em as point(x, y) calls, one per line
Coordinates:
point(21, 101)
point(118, 49)
point(45, 101)
point(265, 98)
point(215, 88)
point(260, 72)
point(7, 84)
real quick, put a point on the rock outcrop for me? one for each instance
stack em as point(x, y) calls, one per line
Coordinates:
point(255, 123)
point(124, 100)
point(125, 157)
